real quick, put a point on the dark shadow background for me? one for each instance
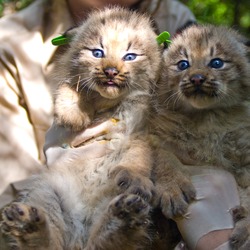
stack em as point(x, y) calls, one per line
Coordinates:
point(233, 13)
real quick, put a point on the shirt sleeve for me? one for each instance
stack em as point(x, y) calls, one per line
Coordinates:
point(173, 16)
point(19, 152)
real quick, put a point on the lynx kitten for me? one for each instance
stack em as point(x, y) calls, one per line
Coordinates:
point(204, 112)
point(109, 70)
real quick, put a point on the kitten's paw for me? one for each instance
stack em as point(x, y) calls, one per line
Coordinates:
point(71, 108)
point(21, 222)
point(133, 183)
point(175, 196)
point(131, 209)
point(75, 120)
point(240, 238)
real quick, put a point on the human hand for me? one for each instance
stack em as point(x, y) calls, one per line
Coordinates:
point(63, 145)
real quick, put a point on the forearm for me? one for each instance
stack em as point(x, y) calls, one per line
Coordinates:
point(19, 154)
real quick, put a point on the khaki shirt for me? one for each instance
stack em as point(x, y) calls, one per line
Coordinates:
point(26, 60)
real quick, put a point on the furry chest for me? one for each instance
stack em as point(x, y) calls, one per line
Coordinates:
point(205, 148)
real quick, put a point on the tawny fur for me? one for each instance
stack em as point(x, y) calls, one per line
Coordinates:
point(203, 117)
point(109, 69)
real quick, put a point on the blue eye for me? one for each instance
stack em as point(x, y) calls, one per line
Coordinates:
point(183, 64)
point(98, 53)
point(216, 63)
point(129, 57)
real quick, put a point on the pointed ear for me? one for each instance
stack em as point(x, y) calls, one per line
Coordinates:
point(71, 31)
point(247, 44)
point(65, 38)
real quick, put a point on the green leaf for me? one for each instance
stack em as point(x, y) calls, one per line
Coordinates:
point(60, 40)
point(163, 37)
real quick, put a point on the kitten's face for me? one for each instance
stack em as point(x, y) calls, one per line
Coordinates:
point(206, 67)
point(114, 52)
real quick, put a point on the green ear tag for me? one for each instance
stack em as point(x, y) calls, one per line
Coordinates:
point(60, 40)
point(163, 37)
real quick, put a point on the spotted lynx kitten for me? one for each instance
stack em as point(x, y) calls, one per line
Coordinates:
point(109, 70)
point(204, 114)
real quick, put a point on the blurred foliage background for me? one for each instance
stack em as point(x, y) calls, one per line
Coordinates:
point(10, 6)
point(234, 13)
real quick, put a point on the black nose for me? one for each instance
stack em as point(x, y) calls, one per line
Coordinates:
point(197, 79)
point(111, 72)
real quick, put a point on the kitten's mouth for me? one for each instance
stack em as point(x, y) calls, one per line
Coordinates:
point(196, 92)
point(110, 83)
point(200, 92)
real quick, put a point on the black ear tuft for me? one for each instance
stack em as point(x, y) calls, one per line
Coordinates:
point(71, 31)
point(185, 26)
point(247, 43)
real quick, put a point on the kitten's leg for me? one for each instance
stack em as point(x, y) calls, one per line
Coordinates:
point(240, 238)
point(72, 109)
point(123, 226)
point(131, 182)
point(24, 227)
point(174, 189)
point(133, 173)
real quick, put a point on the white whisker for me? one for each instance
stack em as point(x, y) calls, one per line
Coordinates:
point(178, 97)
